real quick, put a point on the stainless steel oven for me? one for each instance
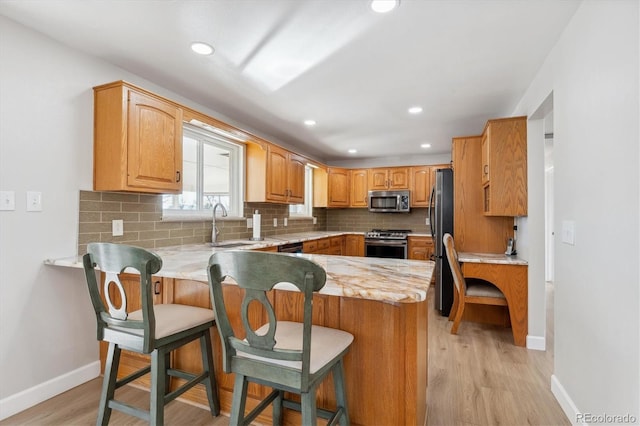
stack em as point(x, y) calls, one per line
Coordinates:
point(389, 243)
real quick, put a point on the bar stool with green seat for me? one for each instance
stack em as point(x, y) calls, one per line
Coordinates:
point(284, 355)
point(155, 329)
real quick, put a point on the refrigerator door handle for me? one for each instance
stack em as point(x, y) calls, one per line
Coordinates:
point(431, 211)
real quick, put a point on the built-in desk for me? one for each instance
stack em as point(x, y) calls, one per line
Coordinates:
point(509, 274)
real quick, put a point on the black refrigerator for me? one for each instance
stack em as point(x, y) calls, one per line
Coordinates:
point(441, 222)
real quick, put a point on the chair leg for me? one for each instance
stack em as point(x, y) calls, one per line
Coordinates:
point(458, 318)
point(207, 365)
point(341, 396)
point(167, 380)
point(239, 400)
point(456, 303)
point(108, 384)
point(158, 378)
point(277, 409)
point(308, 403)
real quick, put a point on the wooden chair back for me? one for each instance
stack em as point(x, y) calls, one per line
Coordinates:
point(257, 273)
point(112, 260)
point(456, 271)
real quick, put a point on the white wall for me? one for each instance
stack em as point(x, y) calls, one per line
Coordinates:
point(594, 76)
point(47, 326)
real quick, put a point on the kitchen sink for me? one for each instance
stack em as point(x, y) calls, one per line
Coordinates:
point(230, 245)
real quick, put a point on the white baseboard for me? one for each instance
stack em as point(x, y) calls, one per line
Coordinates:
point(565, 401)
point(538, 343)
point(29, 397)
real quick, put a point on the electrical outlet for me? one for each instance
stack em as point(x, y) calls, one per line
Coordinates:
point(249, 223)
point(285, 222)
point(117, 227)
point(315, 220)
point(275, 222)
point(7, 200)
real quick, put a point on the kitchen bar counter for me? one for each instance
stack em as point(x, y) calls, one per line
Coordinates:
point(387, 280)
point(382, 302)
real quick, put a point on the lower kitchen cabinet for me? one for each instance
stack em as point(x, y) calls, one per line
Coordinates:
point(420, 248)
point(354, 245)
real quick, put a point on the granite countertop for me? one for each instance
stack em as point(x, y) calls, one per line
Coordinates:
point(495, 258)
point(387, 280)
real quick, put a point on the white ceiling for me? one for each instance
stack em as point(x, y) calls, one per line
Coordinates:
point(279, 62)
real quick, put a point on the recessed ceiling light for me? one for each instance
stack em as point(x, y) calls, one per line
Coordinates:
point(415, 110)
point(201, 48)
point(310, 122)
point(352, 151)
point(425, 145)
point(384, 6)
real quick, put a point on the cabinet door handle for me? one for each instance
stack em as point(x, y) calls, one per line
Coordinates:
point(486, 169)
point(178, 176)
point(156, 287)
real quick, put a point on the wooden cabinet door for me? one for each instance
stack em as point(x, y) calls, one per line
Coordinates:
point(505, 191)
point(354, 245)
point(485, 155)
point(338, 191)
point(295, 179)
point(154, 145)
point(420, 248)
point(420, 186)
point(277, 167)
point(378, 179)
point(398, 178)
point(359, 188)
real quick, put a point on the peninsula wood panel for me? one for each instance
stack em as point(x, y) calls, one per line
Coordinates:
point(472, 230)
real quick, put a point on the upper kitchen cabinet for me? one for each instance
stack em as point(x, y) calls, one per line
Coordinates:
point(137, 141)
point(274, 175)
point(388, 178)
point(504, 167)
point(338, 187)
point(420, 177)
point(359, 188)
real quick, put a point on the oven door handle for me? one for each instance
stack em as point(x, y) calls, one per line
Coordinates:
point(385, 243)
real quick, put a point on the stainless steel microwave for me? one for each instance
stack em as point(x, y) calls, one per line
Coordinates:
point(389, 201)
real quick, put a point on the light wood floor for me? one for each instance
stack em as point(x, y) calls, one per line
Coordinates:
point(475, 378)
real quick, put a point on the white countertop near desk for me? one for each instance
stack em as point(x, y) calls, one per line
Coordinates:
point(388, 280)
point(497, 258)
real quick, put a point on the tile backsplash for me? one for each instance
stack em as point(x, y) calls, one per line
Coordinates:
point(144, 227)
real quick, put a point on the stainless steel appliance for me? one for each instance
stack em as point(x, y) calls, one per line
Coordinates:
point(441, 222)
point(389, 243)
point(290, 248)
point(389, 201)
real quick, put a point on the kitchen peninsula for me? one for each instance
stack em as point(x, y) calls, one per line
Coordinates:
point(382, 302)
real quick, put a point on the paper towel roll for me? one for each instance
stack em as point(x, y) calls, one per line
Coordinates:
point(256, 225)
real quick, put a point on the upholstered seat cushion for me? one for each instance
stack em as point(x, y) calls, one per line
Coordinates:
point(326, 344)
point(482, 288)
point(173, 318)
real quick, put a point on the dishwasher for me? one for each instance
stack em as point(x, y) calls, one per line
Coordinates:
point(290, 248)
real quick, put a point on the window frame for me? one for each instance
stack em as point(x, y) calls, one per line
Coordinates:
point(236, 176)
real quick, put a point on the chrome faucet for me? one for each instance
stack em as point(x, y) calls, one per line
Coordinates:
point(214, 231)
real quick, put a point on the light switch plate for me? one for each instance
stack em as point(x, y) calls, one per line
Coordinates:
point(34, 201)
point(285, 222)
point(569, 232)
point(315, 220)
point(7, 200)
point(275, 222)
point(249, 223)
